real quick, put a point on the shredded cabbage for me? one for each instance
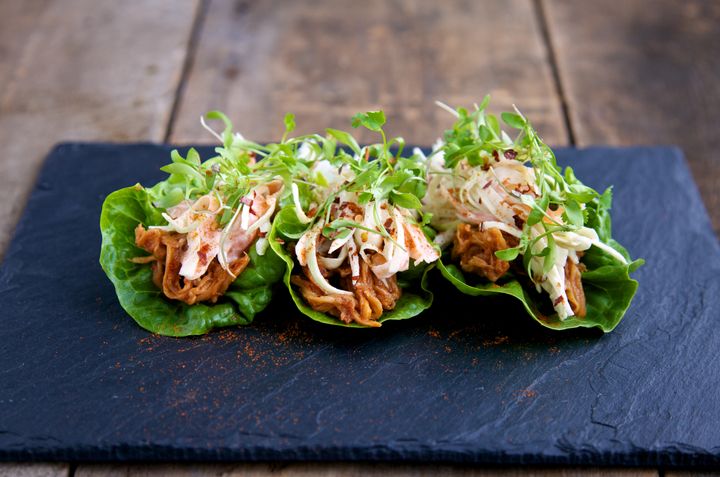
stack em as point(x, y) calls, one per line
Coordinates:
point(392, 247)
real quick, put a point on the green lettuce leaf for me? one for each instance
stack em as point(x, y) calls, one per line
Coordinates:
point(416, 296)
point(122, 211)
point(607, 285)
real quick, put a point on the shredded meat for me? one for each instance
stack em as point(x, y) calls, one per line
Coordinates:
point(574, 288)
point(167, 249)
point(371, 295)
point(476, 249)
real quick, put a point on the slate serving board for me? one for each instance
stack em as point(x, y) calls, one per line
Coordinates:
point(463, 382)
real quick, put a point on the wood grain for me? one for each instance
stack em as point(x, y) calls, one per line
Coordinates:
point(325, 60)
point(82, 70)
point(688, 473)
point(34, 470)
point(18, 20)
point(343, 470)
point(644, 72)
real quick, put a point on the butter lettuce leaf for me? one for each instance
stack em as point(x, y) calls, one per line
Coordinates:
point(606, 282)
point(122, 211)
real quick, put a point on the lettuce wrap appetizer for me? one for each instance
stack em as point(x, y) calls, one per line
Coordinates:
point(352, 236)
point(510, 221)
point(191, 253)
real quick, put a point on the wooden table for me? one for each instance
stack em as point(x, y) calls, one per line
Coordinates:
point(615, 72)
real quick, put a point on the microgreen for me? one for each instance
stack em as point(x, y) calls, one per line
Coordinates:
point(400, 180)
point(373, 120)
point(476, 137)
point(234, 170)
point(289, 125)
point(378, 172)
point(374, 174)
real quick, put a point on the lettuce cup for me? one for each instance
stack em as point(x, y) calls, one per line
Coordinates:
point(511, 222)
point(353, 236)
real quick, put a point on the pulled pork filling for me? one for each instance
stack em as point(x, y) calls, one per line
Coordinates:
point(370, 296)
point(351, 273)
point(167, 249)
point(475, 248)
point(194, 259)
point(574, 288)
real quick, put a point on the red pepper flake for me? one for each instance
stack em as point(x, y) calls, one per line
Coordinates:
point(528, 393)
point(202, 254)
point(388, 223)
point(510, 154)
point(262, 234)
point(558, 300)
point(487, 185)
point(367, 154)
point(312, 212)
point(519, 222)
point(496, 156)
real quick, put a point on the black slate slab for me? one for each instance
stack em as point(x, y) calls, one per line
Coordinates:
point(463, 382)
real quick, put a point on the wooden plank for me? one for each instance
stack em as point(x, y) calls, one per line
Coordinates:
point(343, 470)
point(325, 60)
point(644, 72)
point(689, 473)
point(34, 470)
point(17, 19)
point(83, 70)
